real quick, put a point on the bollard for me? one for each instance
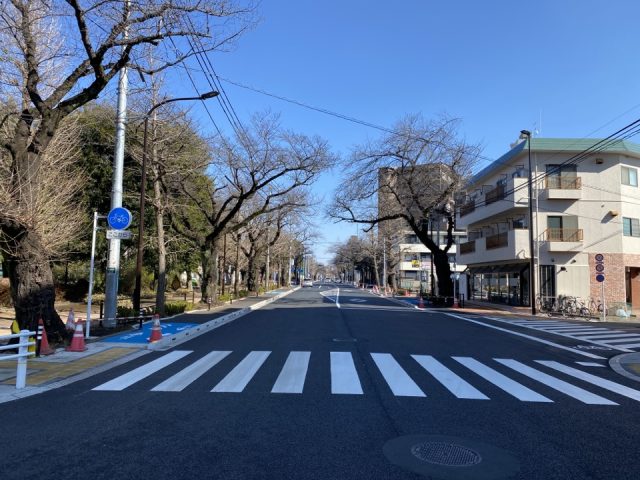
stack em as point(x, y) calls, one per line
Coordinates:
point(209, 303)
point(23, 350)
point(101, 312)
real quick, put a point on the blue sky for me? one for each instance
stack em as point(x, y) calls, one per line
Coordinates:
point(498, 65)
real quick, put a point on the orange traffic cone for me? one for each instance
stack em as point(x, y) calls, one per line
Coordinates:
point(45, 349)
point(156, 330)
point(77, 342)
point(420, 302)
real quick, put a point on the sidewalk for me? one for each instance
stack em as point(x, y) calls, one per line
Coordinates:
point(627, 364)
point(63, 368)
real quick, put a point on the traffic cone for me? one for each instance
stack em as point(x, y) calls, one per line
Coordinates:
point(45, 349)
point(420, 302)
point(156, 330)
point(77, 342)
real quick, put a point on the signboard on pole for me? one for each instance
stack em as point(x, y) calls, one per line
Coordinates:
point(118, 234)
point(119, 218)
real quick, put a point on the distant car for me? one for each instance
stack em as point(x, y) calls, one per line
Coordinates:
point(307, 283)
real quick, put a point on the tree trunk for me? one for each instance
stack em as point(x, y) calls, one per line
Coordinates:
point(162, 249)
point(206, 278)
point(32, 286)
point(252, 274)
point(213, 265)
point(443, 272)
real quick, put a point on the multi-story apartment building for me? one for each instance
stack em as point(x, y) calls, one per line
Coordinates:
point(412, 260)
point(586, 208)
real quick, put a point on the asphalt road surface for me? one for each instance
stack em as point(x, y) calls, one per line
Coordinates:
point(335, 383)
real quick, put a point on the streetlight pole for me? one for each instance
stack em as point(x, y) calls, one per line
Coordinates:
point(532, 261)
point(143, 186)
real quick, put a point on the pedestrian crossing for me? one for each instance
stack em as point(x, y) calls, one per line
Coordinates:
point(622, 340)
point(423, 376)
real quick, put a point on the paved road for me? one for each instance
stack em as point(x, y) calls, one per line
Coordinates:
point(340, 384)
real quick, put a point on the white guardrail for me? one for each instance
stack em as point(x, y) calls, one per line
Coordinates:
point(22, 355)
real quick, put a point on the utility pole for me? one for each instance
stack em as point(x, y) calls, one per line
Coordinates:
point(113, 262)
point(384, 265)
point(289, 266)
point(224, 262)
point(532, 254)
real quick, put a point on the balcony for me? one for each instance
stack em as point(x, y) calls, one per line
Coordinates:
point(468, 247)
point(562, 188)
point(498, 240)
point(564, 239)
point(467, 208)
point(502, 247)
point(498, 201)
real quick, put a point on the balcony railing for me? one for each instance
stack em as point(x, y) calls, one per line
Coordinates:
point(564, 234)
point(564, 183)
point(497, 241)
point(468, 247)
point(494, 195)
point(467, 208)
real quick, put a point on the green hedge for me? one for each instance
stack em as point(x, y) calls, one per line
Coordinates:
point(174, 308)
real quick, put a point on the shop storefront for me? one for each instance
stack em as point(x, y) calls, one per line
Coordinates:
point(507, 283)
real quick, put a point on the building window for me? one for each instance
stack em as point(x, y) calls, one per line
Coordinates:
point(630, 176)
point(547, 281)
point(630, 227)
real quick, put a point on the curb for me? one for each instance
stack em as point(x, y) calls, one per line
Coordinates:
point(615, 364)
point(178, 338)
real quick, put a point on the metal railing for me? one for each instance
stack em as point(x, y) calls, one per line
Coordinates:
point(497, 241)
point(467, 208)
point(468, 247)
point(494, 195)
point(22, 355)
point(564, 234)
point(564, 183)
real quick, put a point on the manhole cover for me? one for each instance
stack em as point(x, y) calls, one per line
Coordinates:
point(447, 454)
point(445, 457)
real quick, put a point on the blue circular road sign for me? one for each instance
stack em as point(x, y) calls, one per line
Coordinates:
point(119, 218)
point(600, 277)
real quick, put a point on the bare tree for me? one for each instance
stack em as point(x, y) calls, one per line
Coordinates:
point(408, 177)
point(265, 170)
point(53, 215)
point(59, 56)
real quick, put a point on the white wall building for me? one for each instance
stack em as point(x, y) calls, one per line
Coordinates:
point(586, 204)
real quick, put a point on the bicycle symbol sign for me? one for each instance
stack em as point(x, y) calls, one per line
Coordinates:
point(599, 257)
point(119, 218)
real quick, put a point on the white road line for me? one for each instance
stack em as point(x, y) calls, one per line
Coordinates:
point(566, 335)
point(450, 380)
point(241, 375)
point(575, 329)
point(344, 377)
point(629, 345)
point(184, 378)
point(598, 381)
point(555, 383)
point(499, 380)
point(590, 364)
point(529, 337)
point(293, 374)
point(622, 340)
point(398, 380)
point(129, 378)
point(609, 335)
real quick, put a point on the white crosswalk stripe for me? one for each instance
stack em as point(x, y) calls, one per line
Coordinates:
point(598, 381)
point(621, 340)
point(293, 374)
point(398, 380)
point(128, 379)
point(344, 376)
point(242, 374)
point(184, 378)
point(345, 380)
point(555, 383)
point(501, 381)
point(450, 380)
